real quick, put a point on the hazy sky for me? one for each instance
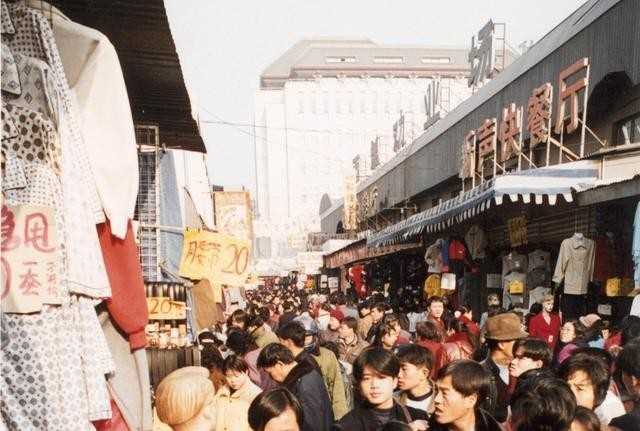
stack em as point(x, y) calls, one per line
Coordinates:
point(225, 45)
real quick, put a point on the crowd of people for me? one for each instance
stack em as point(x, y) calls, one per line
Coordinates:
point(293, 361)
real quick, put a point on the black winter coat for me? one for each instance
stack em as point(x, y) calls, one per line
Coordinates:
point(362, 419)
point(306, 383)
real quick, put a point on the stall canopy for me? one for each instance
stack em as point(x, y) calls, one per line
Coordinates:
point(539, 186)
point(140, 33)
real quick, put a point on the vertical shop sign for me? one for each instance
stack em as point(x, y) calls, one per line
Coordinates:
point(30, 258)
point(517, 227)
point(350, 204)
point(233, 214)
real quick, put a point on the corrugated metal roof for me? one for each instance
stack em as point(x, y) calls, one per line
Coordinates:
point(560, 35)
point(140, 33)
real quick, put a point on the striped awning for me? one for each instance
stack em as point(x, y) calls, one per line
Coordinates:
point(530, 186)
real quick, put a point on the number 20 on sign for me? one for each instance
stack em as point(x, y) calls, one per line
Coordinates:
point(217, 257)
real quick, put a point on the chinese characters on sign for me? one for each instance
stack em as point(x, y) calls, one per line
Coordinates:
point(30, 259)
point(482, 55)
point(480, 145)
point(350, 204)
point(219, 258)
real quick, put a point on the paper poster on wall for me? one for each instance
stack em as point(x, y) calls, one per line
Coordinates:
point(219, 258)
point(233, 214)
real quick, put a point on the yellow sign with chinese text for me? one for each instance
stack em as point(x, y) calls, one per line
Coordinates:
point(163, 308)
point(222, 259)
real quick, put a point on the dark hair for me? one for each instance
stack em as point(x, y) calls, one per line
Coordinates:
point(587, 418)
point(593, 367)
point(362, 305)
point(428, 331)
point(435, 299)
point(333, 346)
point(273, 353)
point(596, 353)
point(541, 404)
point(534, 349)
point(494, 310)
point(350, 322)
point(578, 328)
point(380, 306)
point(396, 425)
point(293, 331)
point(235, 363)
point(468, 378)
point(415, 355)
point(271, 404)
point(535, 308)
point(288, 306)
point(628, 359)
point(381, 361)
point(255, 321)
point(459, 327)
point(240, 341)
point(385, 329)
point(630, 329)
point(238, 316)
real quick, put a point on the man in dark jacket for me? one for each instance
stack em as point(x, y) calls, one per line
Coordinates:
point(462, 386)
point(502, 331)
point(376, 374)
point(303, 380)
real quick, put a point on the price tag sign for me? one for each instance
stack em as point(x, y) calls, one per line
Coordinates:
point(162, 308)
point(220, 258)
point(30, 258)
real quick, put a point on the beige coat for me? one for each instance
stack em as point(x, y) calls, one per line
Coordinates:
point(232, 410)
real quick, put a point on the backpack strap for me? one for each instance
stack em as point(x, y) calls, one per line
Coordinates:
point(405, 412)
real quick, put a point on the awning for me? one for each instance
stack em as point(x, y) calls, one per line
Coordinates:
point(359, 251)
point(530, 186)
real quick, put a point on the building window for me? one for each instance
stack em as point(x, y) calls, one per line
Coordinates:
point(301, 103)
point(340, 59)
point(388, 60)
point(435, 60)
point(628, 130)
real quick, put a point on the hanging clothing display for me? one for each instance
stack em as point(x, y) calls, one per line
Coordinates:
point(27, 32)
point(95, 77)
point(433, 257)
point(514, 262)
point(635, 247)
point(575, 264)
point(476, 241)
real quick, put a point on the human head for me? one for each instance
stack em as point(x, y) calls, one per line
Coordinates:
point(547, 303)
point(238, 319)
point(630, 329)
point(416, 364)
point(542, 403)
point(588, 378)
point(629, 366)
point(236, 372)
point(348, 328)
point(376, 373)
point(502, 330)
point(377, 311)
point(211, 359)
point(364, 309)
point(292, 335)
point(493, 300)
point(585, 420)
point(275, 410)
point(335, 317)
point(185, 399)
point(435, 307)
point(427, 330)
point(461, 387)
point(387, 336)
point(571, 330)
point(529, 354)
point(277, 360)
point(254, 322)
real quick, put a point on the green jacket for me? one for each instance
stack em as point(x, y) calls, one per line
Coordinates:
point(333, 379)
point(263, 336)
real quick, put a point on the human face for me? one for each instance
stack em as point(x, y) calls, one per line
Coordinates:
point(390, 339)
point(521, 363)
point(376, 315)
point(567, 332)
point(411, 376)
point(278, 372)
point(377, 388)
point(286, 421)
point(334, 324)
point(236, 379)
point(345, 332)
point(548, 306)
point(436, 309)
point(582, 388)
point(506, 347)
point(451, 405)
